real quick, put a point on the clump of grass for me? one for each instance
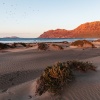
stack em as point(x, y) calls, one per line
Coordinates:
point(55, 45)
point(3, 46)
point(54, 78)
point(97, 40)
point(65, 42)
point(29, 45)
point(81, 66)
point(23, 44)
point(14, 45)
point(81, 43)
point(42, 46)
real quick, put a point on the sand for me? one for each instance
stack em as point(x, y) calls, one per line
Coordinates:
point(19, 71)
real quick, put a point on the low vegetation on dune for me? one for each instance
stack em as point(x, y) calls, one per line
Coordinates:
point(42, 46)
point(97, 40)
point(4, 46)
point(81, 66)
point(14, 45)
point(57, 46)
point(54, 78)
point(82, 43)
point(28, 45)
point(23, 44)
point(65, 42)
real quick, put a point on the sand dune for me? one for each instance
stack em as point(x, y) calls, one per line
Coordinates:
point(19, 71)
point(85, 87)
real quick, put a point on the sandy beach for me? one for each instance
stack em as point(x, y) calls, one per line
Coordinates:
point(49, 50)
point(19, 70)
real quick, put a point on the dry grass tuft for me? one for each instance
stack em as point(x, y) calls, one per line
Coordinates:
point(58, 46)
point(81, 66)
point(54, 78)
point(81, 43)
point(4, 46)
point(42, 46)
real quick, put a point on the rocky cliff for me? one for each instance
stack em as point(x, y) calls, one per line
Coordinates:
point(87, 30)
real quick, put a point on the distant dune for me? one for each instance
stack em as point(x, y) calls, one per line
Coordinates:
point(86, 30)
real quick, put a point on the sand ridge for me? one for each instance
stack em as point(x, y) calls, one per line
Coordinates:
point(18, 71)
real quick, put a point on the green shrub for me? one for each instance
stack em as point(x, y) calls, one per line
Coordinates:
point(42, 46)
point(54, 78)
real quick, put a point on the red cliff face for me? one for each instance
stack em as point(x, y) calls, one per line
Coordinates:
point(58, 33)
point(87, 30)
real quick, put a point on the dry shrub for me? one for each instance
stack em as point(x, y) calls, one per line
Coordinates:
point(58, 46)
point(65, 42)
point(81, 43)
point(81, 66)
point(97, 40)
point(42, 46)
point(54, 78)
point(23, 44)
point(14, 45)
point(29, 45)
point(4, 46)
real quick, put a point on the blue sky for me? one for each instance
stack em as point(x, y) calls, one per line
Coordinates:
point(30, 18)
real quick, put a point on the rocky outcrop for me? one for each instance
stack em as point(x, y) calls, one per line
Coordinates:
point(87, 30)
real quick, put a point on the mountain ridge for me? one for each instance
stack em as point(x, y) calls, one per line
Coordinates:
point(85, 30)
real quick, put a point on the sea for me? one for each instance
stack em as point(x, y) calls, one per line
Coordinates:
point(38, 40)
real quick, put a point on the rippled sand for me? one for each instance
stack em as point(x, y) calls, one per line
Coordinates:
point(19, 71)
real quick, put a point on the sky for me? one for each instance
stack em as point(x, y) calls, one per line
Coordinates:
point(30, 18)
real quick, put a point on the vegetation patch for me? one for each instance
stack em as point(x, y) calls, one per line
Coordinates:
point(81, 43)
point(29, 45)
point(23, 44)
point(65, 42)
point(42, 46)
point(57, 46)
point(81, 66)
point(54, 78)
point(4, 46)
point(97, 40)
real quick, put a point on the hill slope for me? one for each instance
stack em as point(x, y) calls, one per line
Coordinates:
point(87, 30)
